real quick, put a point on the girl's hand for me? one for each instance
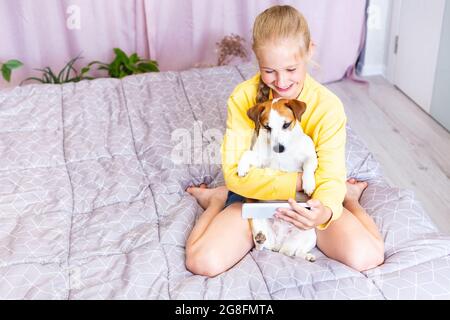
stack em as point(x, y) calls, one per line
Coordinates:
point(303, 218)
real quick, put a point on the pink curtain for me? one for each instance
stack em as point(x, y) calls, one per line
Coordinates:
point(178, 34)
point(39, 33)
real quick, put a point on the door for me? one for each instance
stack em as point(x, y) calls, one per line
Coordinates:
point(440, 105)
point(417, 47)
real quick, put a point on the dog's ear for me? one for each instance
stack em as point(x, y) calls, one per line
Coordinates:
point(298, 107)
point(254, 114)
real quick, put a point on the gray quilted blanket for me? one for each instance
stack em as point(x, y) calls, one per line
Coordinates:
point(92, 201)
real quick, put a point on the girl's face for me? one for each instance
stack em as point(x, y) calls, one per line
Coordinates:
point(283, 69)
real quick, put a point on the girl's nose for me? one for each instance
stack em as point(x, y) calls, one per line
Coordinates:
point(281, 81)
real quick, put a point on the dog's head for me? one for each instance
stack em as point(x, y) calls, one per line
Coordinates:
point(277, 118)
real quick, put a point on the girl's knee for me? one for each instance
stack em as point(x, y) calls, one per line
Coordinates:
point(205, 256)
point(203, 262)
point(363, 260)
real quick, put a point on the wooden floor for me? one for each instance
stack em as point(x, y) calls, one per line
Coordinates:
point(412, 148)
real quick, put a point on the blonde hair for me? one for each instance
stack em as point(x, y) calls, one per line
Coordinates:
point(276, 24)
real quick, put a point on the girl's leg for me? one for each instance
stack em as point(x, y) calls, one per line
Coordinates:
point(220, 239)
point(353, 239)
point(351, 203)
point(212, 201)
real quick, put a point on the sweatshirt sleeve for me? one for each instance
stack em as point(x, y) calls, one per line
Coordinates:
point(331, 171)
point(259, 183)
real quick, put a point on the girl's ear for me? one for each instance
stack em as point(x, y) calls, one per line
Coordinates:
point(311, 50)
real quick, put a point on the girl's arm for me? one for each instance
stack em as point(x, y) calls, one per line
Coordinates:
point(331, 172)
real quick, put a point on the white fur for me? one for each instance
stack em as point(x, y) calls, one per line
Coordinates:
point(299, 155)
point(285, 238)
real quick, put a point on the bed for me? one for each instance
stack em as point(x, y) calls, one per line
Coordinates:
point(92, 200)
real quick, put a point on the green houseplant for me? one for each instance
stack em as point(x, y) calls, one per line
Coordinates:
point(121, 66)
point(124, 65)
point(67, 74)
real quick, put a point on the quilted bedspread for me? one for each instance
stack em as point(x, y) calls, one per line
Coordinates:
point(92, 200)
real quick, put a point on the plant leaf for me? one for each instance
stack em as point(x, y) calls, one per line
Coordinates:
point(147, 67)
point(113, 69)
point(74, 79)
point(46, 79)
point(52, 75)
point(13, 64)
point(122, 74)
point(32, 78)
point(60, 74)
point(102, 65)
point(69, 67)
point(116, 68)
point(131, 67)
point(152, 62)
point(64, 70)
point(85, 69)
point(6, 72)
point(95, 62)
point(134, 58)
point(122, 57)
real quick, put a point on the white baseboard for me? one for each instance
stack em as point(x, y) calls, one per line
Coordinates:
point(372, 70)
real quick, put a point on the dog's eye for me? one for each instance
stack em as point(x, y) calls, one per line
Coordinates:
point(267, 128)
point(286, 125)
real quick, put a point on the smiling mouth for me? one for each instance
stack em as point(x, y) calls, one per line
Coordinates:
point(284, 89)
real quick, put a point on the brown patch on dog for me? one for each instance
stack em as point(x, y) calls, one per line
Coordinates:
point(298, 107)
point(259, 114)
point(290, 109)
point(260, 238)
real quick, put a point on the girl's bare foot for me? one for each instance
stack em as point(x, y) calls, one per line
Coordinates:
point(206, 196)
point(354, 190)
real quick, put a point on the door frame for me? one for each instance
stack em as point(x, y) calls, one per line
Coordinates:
point(393, 32)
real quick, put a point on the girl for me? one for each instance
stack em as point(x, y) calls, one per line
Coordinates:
point(345, 232)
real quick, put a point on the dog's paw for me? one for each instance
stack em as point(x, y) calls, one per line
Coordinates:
point(260, 238)
point(310, 257)
point(309, 185)
point(243, 168)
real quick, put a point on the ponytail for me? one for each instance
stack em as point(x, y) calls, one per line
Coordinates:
point(263, 92)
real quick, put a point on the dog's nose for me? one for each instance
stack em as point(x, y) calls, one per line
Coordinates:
point(279, 148)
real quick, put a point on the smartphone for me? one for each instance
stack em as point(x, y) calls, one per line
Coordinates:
point(262, 210)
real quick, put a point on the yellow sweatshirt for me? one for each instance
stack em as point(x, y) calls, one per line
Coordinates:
point(324, 121)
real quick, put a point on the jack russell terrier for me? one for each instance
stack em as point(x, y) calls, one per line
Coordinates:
point(281, 144)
